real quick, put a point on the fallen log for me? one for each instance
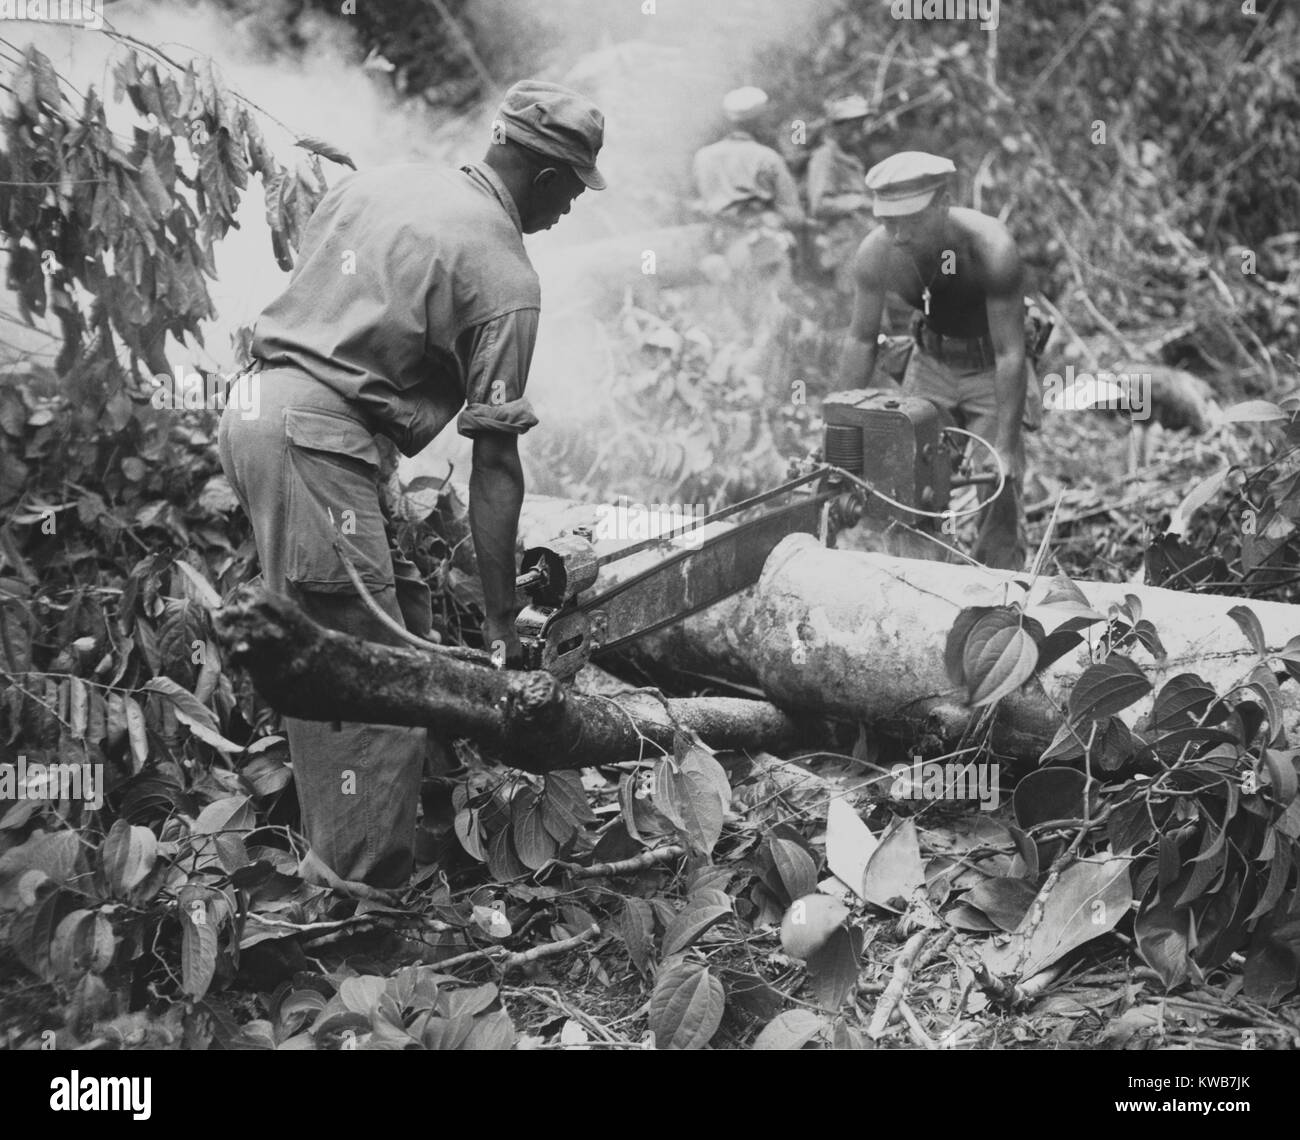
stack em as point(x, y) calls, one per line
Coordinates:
point(527, 719)
point(859, 636)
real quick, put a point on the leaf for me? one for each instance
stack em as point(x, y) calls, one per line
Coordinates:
point(834, 968)
point(1254, 412)
point(1089, 898)
point(1146, 633)
point(492, 921)
point(1249, 624)
point(1163, 935)
point(470, 833)
point(198, 942)
point(791, 1030)
point(687, 927)
point(849, 845)
point(128, 855)
point(564, 805)
point(955, 645)
point(325, 150)
point(692, 790)
point(1261, 679)
point(637, 929)
point(67, 948)
point(999, 656)
point(1004, 900)
point(686, 1006)
point(797, 871)
point(1194, 500)
point(1048, 794)
point(895, 868)
point(192, 712)
point(1113, 745)
point(1181, 699)
point(494, 1031)
point(1104, 689)
point(534, 845)
point(1282, 773)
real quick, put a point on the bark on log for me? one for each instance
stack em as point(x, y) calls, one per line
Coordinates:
point(528, 720)
point(861, 637)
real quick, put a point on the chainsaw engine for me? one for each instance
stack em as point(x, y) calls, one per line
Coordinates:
point(892, 441)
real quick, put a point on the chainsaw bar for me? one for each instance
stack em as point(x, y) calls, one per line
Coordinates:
point(693, 579)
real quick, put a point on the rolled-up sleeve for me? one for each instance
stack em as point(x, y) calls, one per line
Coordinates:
point(496, 356)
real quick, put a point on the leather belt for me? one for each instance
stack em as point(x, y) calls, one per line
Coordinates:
point(972, 352)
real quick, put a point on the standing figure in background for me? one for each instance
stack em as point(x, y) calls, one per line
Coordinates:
point(837, 191)
point(749, 196)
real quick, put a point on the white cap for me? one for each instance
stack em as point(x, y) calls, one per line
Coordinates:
point(744, 104)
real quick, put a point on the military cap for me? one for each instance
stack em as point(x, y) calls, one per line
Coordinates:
point(744, 104)
point(905, 183)
point(847, 109)
point(557, 122)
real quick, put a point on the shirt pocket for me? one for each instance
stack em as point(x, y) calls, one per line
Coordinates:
point(333, 495)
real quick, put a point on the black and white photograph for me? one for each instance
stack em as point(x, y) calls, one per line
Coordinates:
point(614, 526)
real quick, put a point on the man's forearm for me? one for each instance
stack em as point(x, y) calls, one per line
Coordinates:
point(1009, 385)
point(496, 494)
point(857, 363)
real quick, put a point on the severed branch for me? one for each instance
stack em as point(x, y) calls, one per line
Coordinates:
point(526, 719)
point(903, 965)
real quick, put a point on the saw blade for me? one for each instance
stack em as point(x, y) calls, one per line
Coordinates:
point(692, 579)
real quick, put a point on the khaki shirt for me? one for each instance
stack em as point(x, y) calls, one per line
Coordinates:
point(738, 175)
point(831, 173)
point(413, 298)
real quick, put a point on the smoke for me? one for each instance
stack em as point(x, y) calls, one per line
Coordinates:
point(657, 68)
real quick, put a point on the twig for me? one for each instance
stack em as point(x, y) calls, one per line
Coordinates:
point(509, 960)
point(626, 866)
point(903, 966)
point(919, 1035)
point(369, 602)
point(552, 1000)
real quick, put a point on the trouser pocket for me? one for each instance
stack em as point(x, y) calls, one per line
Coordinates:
point(332, 472)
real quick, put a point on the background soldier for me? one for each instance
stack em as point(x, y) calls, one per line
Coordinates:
point(413, 300)
point(961, 272)
point(837, 195)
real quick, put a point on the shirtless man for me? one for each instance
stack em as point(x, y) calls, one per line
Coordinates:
point(960, 270)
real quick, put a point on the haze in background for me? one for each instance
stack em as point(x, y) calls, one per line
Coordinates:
point(658, 70)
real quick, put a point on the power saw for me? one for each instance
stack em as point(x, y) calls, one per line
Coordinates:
point(883, 456)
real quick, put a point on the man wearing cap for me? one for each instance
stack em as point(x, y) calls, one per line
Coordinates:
point(738, 178)
point(960, 270)
point(413, 304)
point(747, 191)
point(837, 196)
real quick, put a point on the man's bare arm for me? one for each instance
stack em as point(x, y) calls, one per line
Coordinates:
point(859, 358)
point(1004, 301)
point(496, 493)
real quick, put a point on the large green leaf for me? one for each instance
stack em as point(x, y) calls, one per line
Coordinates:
point(1104, 689)
point(686, 1006)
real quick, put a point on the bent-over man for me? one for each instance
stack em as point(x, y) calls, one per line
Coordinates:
point(960, 270)
point(413, 304)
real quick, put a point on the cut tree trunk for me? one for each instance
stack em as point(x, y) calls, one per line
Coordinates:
point(860, 636)
point(527, 719)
